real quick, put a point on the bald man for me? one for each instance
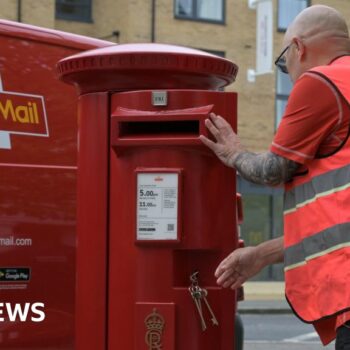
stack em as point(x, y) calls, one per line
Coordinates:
point(310, 156)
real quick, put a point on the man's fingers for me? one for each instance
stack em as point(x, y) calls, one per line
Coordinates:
point(229, 263)
point(222, 267)
point(219, 270)
point(225, 276)
point(219, 121)
point(230, 280)
point(238, 283)
point(213, 129)
point(207, 142)
point(214, 117)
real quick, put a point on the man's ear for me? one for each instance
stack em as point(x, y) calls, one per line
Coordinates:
point(301, 49)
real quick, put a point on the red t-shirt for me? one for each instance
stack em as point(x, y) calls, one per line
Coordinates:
point(315, 123)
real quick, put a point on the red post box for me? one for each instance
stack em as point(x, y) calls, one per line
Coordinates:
point(154, 205)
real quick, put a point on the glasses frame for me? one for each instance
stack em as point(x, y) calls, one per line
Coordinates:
point(280, 61)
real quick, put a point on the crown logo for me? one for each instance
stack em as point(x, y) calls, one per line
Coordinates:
point(155, 324)
point(154, 321)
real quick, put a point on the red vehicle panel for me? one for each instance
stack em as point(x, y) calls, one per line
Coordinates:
point(38, 151)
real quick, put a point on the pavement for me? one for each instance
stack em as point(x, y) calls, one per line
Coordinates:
point(264, 298)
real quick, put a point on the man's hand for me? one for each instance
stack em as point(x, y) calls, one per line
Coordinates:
point(239, 266)
point(244, 263)
point(227, 144)
point(265, 168)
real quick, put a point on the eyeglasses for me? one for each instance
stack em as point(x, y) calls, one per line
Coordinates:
point(281, 61)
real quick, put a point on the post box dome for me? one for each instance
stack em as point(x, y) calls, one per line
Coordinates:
point(146, 66)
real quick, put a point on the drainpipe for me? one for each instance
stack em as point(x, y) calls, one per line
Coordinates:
point(19, 10)
point(153, 22)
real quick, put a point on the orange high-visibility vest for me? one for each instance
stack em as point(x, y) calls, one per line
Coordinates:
point(317, 223)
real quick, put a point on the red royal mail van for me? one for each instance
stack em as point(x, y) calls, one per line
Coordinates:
point(38, 146)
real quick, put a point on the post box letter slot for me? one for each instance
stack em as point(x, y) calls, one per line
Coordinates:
point(167, 127)
point(173, 128)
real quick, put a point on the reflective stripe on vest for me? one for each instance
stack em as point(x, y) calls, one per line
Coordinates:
point(320, 244)
point(322, 185)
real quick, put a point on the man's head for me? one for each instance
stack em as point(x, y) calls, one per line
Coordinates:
point(316, 36)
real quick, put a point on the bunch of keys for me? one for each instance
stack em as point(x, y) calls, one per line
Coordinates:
point(198, 294)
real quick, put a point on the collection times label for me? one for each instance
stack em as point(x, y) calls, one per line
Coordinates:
point(157, 206)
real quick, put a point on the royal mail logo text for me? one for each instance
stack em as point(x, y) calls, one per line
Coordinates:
point(21, 114)
point(26, 114)
point(14, 312)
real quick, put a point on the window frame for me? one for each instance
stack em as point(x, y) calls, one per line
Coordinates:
point(280, 95)
point(280, 29)
point(199, 19)
point(218, 53)
point(75, 18)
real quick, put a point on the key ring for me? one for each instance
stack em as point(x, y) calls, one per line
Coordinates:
point(194, 278)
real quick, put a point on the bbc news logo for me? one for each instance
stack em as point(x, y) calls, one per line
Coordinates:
point(18, 312)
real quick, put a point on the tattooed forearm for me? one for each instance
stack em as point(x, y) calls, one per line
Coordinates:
point(264, 168)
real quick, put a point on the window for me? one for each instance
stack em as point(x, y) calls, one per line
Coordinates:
point(201, 10)
point(262, 220)
point(215, 52)
point(283, 87)
point(287, 11)
point(74, 10)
